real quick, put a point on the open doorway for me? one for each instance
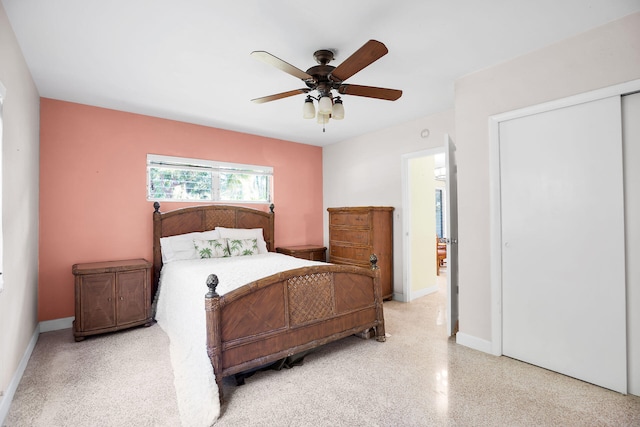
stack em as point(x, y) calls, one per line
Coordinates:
point(422, 176)
point(424, 207)
point(440, 174)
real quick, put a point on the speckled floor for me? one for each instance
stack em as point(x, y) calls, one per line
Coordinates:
point(419, 377)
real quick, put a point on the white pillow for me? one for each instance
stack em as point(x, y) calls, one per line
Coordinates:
point(181, 246)
point(245, 233)
point(215, 248)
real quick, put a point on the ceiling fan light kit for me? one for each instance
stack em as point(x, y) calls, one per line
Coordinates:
point(325, 78)
point(323, 119)
point(308, 109)
point(337, 111)
point(325, 104)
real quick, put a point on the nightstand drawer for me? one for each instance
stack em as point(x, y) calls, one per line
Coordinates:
point(310, 252)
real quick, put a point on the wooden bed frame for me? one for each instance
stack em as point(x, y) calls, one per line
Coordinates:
point(281, 315)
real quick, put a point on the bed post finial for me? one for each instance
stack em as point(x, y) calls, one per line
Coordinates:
point(271, 207)
point(156, 206)
point(373, 260)
point(212, 284)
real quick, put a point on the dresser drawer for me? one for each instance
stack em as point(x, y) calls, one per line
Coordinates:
point(350, 235)
point(360, 219)
point(359, 254)
point(347, 261)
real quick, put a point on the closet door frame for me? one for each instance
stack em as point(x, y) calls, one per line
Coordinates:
point(495, 190)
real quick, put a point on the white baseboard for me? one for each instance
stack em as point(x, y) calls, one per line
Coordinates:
point(474, 343)
point(6, 400)
point(46, 326)
point(398, 296)
point(423, 292)
point(56, 324)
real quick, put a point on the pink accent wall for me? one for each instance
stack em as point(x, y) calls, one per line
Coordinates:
point(93, 204)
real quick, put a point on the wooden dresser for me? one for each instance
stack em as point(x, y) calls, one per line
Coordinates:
point(111, 295)
point(357, 232)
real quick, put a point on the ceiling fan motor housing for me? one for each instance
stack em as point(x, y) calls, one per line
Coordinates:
point(323, 56)
point(321, 81)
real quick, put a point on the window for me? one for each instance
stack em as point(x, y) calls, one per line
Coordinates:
point(183, 179)
point(439, 214)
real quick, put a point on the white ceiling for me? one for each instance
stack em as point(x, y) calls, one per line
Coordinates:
point(189, 60)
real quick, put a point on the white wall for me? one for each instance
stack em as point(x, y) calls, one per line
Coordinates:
point(367, 171)
point(423, 224)
point(20, 175)
point(601, 57)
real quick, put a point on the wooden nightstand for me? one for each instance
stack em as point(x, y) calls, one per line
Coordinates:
point(310, 252)
point(111, 295)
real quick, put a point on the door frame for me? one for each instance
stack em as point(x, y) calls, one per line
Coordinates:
point(453, 307)
point(406, 220)
point(495, 235)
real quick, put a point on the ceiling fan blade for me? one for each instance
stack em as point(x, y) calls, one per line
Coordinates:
point(370, 52)
point(280, 64)
point(370, 92)
point(279, 96)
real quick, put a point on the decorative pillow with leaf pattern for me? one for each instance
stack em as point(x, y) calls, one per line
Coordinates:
point(242, 247)
point(216, 248)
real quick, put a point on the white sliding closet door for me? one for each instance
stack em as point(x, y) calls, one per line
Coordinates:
point(631, 148)
point(563, 259)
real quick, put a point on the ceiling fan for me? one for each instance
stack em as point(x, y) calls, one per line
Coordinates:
point(325, 78)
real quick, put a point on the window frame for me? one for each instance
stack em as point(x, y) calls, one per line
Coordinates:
point(216, 168)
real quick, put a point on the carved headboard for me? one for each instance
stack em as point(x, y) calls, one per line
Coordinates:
point(204, 218)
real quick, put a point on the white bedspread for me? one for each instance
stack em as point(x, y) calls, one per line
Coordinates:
point(180, 313)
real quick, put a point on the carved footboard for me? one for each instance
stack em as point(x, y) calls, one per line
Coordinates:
point(288, 313)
